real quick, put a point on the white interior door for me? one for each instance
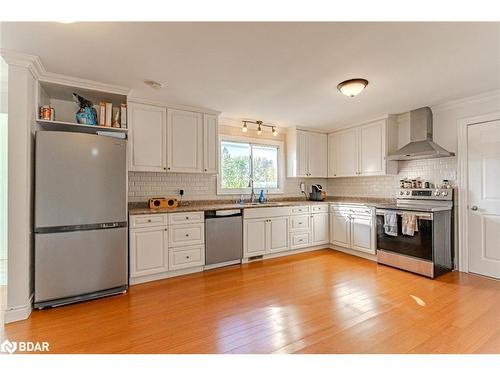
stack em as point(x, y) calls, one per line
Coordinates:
point(484, 198)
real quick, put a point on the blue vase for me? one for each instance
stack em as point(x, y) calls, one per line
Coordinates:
point(87, 116)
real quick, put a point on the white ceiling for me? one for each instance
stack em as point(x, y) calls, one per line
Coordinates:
point(285, 73)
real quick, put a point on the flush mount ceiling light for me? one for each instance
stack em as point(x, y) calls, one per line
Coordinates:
point(153, 84)
point(352, 87)
point(259, 124)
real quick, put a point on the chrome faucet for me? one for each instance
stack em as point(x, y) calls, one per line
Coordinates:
point(252, 194)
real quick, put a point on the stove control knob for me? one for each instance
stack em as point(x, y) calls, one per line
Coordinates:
point(437, 193)
point(444, 193)
point(401, 192)
point(407, 192)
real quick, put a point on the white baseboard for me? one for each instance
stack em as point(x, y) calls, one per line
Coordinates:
point(17, 313)
point(361, 254)
point(286, 253)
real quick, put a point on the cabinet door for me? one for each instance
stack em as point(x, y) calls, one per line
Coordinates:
point(185, 141)
point(331, 155)
point(363, 234)
point(277, 233)
point(372, 149)
point(346, 154)
point(319, 228)
point(302, 154)
point(254, 237)
point(148, 251)
point(210, 148)
point(340, 227)
point(147, 137)
point(317, 155)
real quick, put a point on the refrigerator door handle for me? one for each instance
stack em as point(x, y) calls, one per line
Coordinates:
point(109, 225)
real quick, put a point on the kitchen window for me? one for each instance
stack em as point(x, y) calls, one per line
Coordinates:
point(242, 160)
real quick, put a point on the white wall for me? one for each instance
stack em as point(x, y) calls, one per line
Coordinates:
point(20, 208)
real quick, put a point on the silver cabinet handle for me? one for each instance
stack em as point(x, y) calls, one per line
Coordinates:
point(474, 208)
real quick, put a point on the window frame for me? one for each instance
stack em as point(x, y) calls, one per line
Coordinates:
point(253, 142)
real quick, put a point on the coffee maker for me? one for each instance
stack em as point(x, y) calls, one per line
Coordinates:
point(317, 193)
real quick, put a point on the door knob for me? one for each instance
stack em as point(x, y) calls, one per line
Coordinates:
point(474, 208)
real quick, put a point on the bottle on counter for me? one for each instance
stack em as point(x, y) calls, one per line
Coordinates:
point(261, 197)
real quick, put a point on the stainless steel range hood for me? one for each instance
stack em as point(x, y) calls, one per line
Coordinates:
point(421, 145)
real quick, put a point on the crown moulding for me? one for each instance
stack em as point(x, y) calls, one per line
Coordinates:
point(38, 71)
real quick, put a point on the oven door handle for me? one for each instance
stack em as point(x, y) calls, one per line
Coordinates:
point(420, 215)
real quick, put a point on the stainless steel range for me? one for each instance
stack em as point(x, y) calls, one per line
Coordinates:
point(429, 249)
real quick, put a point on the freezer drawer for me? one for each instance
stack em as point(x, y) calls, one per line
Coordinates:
point(70, 264)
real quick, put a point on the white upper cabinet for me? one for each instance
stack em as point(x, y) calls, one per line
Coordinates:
point(362, 151)
point(372, 149)
point(147, 137)
point(210, 149)
point(318, 154)
point(307, 154)
point(162, 139)
point(185, 141)
point(344, 153)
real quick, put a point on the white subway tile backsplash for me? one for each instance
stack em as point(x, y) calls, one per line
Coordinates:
point(432, 170)
point(144, 185)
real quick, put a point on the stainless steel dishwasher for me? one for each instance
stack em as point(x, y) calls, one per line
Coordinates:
point(223, 238)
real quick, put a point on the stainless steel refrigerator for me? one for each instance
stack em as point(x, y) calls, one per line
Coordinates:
point(80, 217)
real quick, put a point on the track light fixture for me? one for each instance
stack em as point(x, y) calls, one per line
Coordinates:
point(259, 124)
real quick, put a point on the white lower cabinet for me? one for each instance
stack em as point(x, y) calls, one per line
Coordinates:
point(186, 257)
point(353, 228)
point(254, 237)
point(362, 234)
point(277, 228)
point(148, 251)
point(261, 236)
point(299, 240)
point(340, 229)
point(319, 229)
point(157, 247)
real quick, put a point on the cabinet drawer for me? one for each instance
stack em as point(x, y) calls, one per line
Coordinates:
point(319, 209)
point(299, 210)
point(299, 222)
point(298, 240)
point(188, 234)
point(358, 210)
point(186, 257)
point(186, 217)
point(140, 221)
point(265, 212)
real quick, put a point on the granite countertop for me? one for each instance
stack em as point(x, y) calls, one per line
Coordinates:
point(140, 208)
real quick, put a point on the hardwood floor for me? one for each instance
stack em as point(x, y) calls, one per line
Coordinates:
point(317, 302)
